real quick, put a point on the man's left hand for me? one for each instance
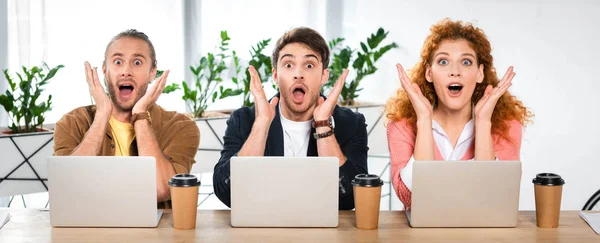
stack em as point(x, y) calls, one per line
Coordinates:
point(151, 95)
point(324, 109)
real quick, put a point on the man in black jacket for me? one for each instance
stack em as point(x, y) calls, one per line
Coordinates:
point(304, 123)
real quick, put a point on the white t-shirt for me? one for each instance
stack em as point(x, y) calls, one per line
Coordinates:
point(295, 136)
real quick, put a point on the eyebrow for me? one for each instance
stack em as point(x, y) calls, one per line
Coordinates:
point(118, 54)
point(305, 56)
point(139, 55)
point(445, 53)
point(468, 54)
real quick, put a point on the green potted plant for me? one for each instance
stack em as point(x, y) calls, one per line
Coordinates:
point(213, 129)
point(213, 126)
point(241, 79)
point(20, 101)
point(207, 85)
point(26, 143)
point(362, 63)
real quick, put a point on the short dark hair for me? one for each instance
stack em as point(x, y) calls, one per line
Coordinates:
point(306, 36)
point(133, 33)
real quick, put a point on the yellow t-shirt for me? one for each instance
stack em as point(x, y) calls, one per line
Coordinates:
point(123, 134)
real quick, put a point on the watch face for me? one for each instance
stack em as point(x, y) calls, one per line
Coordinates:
point(332, 121)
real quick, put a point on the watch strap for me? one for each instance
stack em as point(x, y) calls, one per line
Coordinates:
point(323, 123)
point(140, 116)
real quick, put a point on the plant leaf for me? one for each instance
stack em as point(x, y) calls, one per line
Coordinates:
point(7, 101)
point(10, 80)
point(158, 74)
point(52, 72)
point(171, 88)
point(364, 47)
point(224, 35)
point(377, 54)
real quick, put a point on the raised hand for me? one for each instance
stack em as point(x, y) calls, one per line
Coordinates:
point(421, 104)
point(485, 106)
point(324, 107)
point(104, 105)
point(264, 111)
point(151, 95)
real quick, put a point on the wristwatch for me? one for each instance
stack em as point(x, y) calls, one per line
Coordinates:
point(140, 116)
point(324, 123)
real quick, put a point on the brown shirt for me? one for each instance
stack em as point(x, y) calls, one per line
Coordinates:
point(177, 135)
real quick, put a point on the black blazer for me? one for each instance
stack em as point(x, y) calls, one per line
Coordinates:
point(350, 132)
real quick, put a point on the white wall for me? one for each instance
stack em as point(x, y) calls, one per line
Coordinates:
point(3, 64)
point(3, 56)
point(553, 46)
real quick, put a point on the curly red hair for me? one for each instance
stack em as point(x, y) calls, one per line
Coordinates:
point(508, 106)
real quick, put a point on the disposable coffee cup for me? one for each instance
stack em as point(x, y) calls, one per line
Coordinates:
point(184, 200)
point(367, 195)
point(548, 193)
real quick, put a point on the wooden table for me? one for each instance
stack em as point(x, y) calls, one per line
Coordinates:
point(29, 225)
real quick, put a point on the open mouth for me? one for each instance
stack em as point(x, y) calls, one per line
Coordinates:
point(125, 90)
point(455, 88)
point(298, 92)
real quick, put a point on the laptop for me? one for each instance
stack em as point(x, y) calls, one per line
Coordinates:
point(102, 191)
point(284, 191)
point(465, 194)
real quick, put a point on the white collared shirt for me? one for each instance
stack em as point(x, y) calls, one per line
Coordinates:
point(296, 136)
point(449, 153)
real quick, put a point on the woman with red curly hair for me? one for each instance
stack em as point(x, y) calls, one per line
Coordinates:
point(452, 106)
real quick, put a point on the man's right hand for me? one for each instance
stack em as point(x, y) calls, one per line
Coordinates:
point(91, 145)
point(104, 105)
point(264, 113)
point(264, 110)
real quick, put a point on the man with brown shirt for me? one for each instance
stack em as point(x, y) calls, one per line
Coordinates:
point(127, 122)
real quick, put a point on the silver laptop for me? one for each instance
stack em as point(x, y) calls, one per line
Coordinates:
point(102, 191)
point(284, 191)
point(465, 194)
